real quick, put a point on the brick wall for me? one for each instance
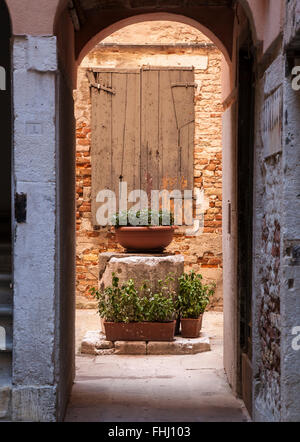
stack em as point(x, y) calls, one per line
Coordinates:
point(203, 253)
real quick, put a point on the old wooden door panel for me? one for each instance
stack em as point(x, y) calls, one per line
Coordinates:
point(125, 127)
point(115, 153)
point(150, 148)
point(101, 149)
point(167, 128)
point(168, 134)
point(183, 92)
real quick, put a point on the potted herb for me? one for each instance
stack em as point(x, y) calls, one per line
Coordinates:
point(136, 315)
point(144, 230)
point(191, 303)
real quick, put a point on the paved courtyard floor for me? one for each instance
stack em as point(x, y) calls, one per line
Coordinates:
point(188, 388)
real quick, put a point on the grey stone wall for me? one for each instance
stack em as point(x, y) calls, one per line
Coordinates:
point(44, 245)
point(277, 236)
point(269, 270)
point(267, 243)
point(35, 245)
point(290, 282)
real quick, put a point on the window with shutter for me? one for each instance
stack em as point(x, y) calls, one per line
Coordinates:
point(142, 129)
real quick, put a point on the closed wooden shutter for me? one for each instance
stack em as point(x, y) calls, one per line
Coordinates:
point(142, 129)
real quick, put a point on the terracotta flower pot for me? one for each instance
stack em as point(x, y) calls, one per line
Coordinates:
point(139, 331)
point(145, 239)
point(190, 328)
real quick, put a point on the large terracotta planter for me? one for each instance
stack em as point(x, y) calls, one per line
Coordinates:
point(145, 239)
point(190, 328)
point(139, 331)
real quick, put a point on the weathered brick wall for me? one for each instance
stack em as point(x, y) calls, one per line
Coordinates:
point(203, 253)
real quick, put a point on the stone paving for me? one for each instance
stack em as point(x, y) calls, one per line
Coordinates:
point(95, 343)
point(150, 388)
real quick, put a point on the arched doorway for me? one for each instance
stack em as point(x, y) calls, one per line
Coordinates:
point(235, 325)
point(50, 270)
point(5, 207)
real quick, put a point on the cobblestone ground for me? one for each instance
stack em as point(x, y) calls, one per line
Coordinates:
point(187, 388)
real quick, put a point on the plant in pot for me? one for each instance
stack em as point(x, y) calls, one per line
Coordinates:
point(136, 315)
point(144, 230)
point(192, 300)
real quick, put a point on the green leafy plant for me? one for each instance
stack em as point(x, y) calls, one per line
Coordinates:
point(142, 218)
point(193, 297)
point(127, 304)
point(160, 306)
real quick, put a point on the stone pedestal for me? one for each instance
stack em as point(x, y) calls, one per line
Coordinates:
point(140, 268)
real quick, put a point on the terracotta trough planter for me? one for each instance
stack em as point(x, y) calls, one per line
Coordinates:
point(145, 239)
point(190, 328)
point(139, 331)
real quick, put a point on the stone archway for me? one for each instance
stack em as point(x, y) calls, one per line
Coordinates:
point(46, 175)
point(232, 326)
point(154, 16)
point(235, 366)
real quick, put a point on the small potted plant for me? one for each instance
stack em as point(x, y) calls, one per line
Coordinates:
point(144, 230)
point(191, 303)
point(136, 315)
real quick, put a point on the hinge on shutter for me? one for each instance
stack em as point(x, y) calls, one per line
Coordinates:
point(103, 88)
point(91, 77)
point(184, 85)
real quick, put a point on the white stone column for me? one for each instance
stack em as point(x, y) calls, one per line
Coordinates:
point(35, 297)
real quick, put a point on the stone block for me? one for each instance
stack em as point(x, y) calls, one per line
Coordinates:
point(105, 352)
point(160, 348)
point(5, 402)
point(180, 346)
point(104, 344)
point(142, 268)
point(94, 343)
point(130, 348)
point(34, 404)
point(42, 53)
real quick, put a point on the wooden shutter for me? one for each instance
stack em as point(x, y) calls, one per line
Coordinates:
point(167, 127)
point(115, 151)
point(142, 129)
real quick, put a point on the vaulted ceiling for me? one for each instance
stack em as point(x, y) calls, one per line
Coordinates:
point(92, 16)
point(107, 4)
